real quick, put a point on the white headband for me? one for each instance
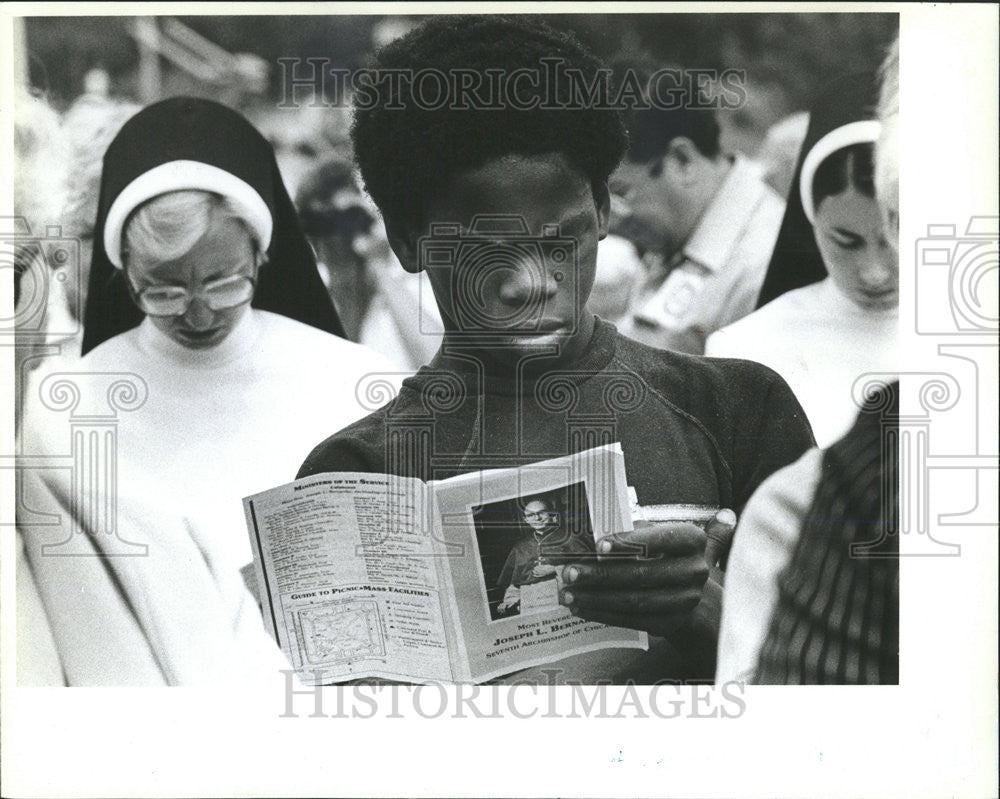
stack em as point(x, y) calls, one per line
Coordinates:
point(180, 176)
point(863, 131)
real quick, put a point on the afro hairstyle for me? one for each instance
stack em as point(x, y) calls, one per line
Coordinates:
point(408, 151)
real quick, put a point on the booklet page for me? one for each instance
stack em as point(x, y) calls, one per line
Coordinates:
point(510, 532)
point(348, 577)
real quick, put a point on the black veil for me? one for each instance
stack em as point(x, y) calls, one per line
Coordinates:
point(191, 129)
point(796, 261)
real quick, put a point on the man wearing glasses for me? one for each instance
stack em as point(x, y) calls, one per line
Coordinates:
point(533, 559)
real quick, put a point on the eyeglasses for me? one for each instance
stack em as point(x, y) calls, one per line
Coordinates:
point(219, 295)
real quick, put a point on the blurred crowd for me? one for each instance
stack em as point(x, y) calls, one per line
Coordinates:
point(59, 168)
point(777, 254)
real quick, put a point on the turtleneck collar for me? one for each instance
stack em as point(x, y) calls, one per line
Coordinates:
point(238, 344)
point(487, 376)
point(839, 303)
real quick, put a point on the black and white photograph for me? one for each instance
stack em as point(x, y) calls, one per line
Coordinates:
point(523, 542)
point(286, 289)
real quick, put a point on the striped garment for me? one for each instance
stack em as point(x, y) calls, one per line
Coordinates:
point(837, 617)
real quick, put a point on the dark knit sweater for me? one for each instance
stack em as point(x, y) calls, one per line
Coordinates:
point(693, 430)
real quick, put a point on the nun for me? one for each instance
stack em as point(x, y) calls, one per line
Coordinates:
point(812, 588)
point(829, 306)
point(216, 359)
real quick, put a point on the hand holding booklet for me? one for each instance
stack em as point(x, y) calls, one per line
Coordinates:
point(376, 576)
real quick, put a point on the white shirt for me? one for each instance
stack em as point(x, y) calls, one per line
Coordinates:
point(717, 275)
point(763, 546)
point(195, 431)
point(820, 342)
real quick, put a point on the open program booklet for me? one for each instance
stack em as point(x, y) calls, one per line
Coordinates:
point(375, 576)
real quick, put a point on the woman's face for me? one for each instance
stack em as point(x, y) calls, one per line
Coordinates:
point(225, 250)
point(860, 261)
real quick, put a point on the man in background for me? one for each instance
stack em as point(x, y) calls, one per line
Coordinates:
point(705, 220)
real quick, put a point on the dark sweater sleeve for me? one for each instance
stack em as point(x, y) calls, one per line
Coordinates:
point(776, 433)
point(343, 452)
